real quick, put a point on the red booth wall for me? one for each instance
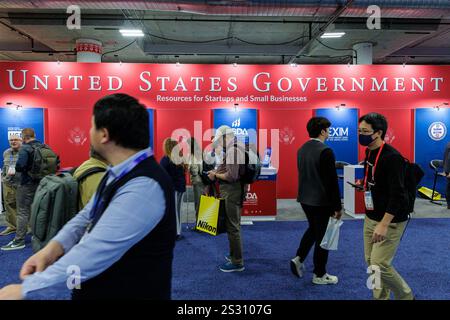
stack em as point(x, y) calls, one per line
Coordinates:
point(69, 90)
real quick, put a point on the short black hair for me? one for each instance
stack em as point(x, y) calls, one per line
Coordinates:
point(316, 125)
point(377, 121)
point(125, 119)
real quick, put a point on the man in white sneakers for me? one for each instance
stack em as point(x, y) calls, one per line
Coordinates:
point(318, 194)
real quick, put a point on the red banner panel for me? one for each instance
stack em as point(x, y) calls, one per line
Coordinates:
point(291, 125)
point(69, 134)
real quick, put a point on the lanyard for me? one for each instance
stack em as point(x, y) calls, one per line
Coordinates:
point(374, 166)
point(96, 206)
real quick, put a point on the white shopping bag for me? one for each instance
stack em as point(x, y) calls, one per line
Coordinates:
point(331, 238)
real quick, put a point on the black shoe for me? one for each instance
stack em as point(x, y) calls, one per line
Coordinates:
point(179, 237)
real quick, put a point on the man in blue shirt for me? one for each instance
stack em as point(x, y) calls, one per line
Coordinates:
point(122, 242)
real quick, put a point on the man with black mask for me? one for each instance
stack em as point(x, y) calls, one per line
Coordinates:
point(386, 201)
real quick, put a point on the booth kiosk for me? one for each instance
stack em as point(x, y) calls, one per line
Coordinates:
point(260, 202)
point(353, 199)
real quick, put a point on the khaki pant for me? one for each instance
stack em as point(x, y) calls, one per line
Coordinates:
point(380, 255)
point(231, 192)
point(9, 197)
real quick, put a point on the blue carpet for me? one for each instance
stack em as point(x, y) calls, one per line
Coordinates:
point(423, 259)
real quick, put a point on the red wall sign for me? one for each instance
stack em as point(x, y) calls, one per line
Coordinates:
point(284, 95)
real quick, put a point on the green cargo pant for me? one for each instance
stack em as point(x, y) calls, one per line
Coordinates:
point(9, 197)
point(232, 192)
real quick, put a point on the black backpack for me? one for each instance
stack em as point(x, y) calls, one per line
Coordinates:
point(413, 174)
point(252, 167)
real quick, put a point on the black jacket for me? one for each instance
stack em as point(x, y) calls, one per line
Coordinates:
point(317, 178)
point(389, 193)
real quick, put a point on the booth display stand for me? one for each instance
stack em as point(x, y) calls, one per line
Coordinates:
point(353, 199)
point(261, 198)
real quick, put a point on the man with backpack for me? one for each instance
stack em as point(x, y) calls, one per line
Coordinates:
point(89, 174)
point(387, 206)
point(35, 161)
point(228, 175)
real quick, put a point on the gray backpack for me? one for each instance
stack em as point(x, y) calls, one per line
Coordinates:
point(54, 204)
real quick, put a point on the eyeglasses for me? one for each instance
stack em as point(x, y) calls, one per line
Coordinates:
point(364, 131)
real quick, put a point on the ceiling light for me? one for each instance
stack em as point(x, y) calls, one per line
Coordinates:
point(131, 32)
point(328, 35)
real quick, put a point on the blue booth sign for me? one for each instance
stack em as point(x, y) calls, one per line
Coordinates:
point(12, 121)
point(343, 137)
point(431, 136)
point(242, 121)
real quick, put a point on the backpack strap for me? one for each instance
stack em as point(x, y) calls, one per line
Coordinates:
point(89, 172)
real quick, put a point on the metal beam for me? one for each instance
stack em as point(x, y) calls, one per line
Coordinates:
point(263, 50)
point(307, 47)
point(422, 52)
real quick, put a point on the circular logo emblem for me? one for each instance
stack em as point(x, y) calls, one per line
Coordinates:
point(437, 131)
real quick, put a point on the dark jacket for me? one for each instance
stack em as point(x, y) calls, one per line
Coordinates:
point(176, 172)
point(25, 161)
point(389, 193)
point(145, 270)
point(317, 178)
point(447, 159)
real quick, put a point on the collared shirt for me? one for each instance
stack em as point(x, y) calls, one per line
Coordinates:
point(9, 161)
point(134, 211)
point(230, 165)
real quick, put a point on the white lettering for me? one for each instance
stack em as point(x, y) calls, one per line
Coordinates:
point(75, 82)
point(197, 82)
point(39, 80)
point(119, 83)
point(436, 83)
point(232, 83)
point(303, 85)
point(360, 85)
point(416, 83)
point(24, 79)
point(215, 84)
point(163, 82)
point(399, 84)
point(289, 82)
point(147, 82)
point(321, 85)
point(378, 86)
point(95, 83)
point(180, 83)
point(267, 84)
point(58, 82)
point(338, 82)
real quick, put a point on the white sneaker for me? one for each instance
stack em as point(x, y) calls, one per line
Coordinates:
point(326, 279)
point(297, 267)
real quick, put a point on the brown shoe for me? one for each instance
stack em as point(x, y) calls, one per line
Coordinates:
point(7, 231)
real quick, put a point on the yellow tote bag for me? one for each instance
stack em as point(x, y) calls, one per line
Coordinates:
point(211, 215)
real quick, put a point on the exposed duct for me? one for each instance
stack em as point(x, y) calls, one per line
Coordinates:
point(317, 8)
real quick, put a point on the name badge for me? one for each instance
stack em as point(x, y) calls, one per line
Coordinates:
point(368, 200)
point(11, 171)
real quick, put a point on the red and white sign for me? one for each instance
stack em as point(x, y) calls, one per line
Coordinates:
point(285, 97)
